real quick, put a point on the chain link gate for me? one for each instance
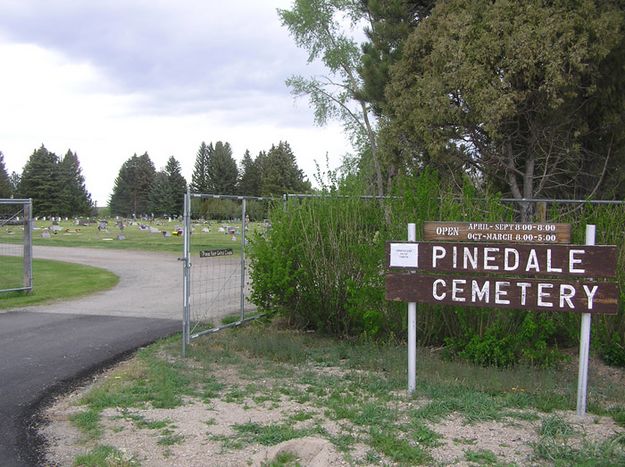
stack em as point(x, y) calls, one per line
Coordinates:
point(16, 247)
point(215, 270)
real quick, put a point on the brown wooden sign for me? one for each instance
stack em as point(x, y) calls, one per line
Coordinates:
point(532, 294)
point(497, 232)
point(580, 261)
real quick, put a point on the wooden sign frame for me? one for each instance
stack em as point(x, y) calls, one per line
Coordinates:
point(564, 293)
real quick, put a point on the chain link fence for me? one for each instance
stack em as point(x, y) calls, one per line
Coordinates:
point(216, 283)
point(16, 245)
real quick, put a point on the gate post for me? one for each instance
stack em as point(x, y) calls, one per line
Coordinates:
point(243, 225)
point(28, 245)
point(186, 273)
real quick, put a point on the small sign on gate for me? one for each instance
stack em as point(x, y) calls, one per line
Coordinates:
point(216, 252)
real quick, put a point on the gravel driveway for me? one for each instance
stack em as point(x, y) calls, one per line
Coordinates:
point(150, 284)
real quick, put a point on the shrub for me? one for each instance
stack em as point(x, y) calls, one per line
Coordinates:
point(322, 266)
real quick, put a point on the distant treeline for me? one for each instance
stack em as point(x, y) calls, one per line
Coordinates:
point(57, 186)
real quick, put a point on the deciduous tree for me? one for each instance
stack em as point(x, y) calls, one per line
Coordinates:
point(319, 26)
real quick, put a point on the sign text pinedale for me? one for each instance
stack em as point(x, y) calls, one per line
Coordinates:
point(489, 275)
point(535, 260)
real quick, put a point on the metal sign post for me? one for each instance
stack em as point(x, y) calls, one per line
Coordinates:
point(584, 344)
point(412, 329)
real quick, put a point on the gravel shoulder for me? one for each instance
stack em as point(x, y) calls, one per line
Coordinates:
point(198, 433)
point(221, 429)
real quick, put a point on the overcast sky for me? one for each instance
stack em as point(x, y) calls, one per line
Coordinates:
point(110, 78)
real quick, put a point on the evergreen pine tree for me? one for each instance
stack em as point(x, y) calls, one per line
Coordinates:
point(177, 185)
point(74, 199)
point(199, 178)
point(6, 191)
point(249, 181)
point(161, 201)
point(280, 173)
point(168, 189)
point(132, 187)
point(41, 181)
point(222, 170)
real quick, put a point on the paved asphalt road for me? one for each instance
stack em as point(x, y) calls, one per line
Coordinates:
point(45, 348)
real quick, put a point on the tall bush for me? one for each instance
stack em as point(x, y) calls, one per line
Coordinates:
point(317, 260)
point(322, 266)
point(608, 330)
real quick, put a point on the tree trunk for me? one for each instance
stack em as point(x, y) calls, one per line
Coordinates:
point(525, 208)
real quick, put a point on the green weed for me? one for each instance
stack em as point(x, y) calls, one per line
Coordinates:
point(88, 422)
point(481, 457)
point(301, 416)
point(554, 426)
point(608, 453)
point(268, 435)
point(283, 459)
point(105, 456)
point(140, 421)
point(169, 438)
point(397, 449)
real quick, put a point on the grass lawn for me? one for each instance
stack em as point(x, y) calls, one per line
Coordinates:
point(52, 280)
point(135, 238)
point(287, 385)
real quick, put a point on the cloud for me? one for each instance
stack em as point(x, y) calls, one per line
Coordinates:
point(108, 79)
point(186, 54)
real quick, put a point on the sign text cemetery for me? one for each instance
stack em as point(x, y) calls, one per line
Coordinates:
point(504, 275)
